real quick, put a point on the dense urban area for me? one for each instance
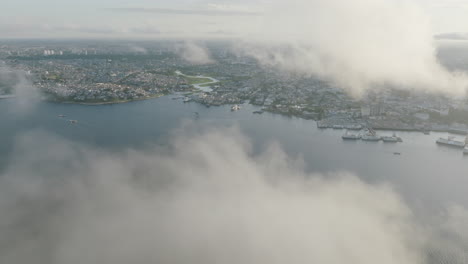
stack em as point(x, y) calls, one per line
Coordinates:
point(104, 72)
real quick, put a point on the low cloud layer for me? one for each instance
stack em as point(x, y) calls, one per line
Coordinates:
point(204, 199)
point(449, 242)
point(18, 83)
point(358, 44)
point(194, 53)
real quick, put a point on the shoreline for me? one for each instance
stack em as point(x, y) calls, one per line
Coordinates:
point(106, 103)
point(379, 128)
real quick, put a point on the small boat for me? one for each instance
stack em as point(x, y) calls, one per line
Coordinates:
point(187, 99)
point(258, 112)
point(392, 139)
point(465, 150)
point(397, 153)
point(73, 121)
point(370, 135)
point(350, 136)
point(321, 125)
point(235, 108)
point(370, 138)
point(61, 116)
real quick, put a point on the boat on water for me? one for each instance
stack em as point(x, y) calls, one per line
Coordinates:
point(450, 141)
point(465, 151)
point(392, 139)
point(187, 99)
point(321, 125)
point(235, 108)
point(370, 135)
point(258, 112)
point(61, 116)
point(73, 121)
point(350, 136)
point(397, 153)
point(367, 137)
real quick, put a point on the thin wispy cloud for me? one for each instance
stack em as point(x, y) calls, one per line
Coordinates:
point(168, 11)
point(194, 53)
point(452, 36)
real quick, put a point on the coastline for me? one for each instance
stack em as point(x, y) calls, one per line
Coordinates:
point(107, 103)
point(328, 126)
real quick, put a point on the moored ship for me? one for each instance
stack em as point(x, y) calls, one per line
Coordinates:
point(465, 151)
point(370, 135)
point(350, 136)
point(450, 141)
point(391, 139)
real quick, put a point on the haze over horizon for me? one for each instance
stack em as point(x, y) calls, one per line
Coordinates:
point(177, 18)
point(199, 151)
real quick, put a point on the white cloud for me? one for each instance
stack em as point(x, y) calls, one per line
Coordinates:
point(205, 199)
point(194, 53)
point(20, 84)
point(359, 44)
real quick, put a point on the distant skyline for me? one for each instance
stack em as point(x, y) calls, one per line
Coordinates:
point(174, 18)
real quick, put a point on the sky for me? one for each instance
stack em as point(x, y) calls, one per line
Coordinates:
point(357, 44)
point(173, 18)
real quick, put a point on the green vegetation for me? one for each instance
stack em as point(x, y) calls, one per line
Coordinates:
point(53, 98)
point(196, 80)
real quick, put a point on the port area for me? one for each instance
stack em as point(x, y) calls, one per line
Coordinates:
point(359, 124)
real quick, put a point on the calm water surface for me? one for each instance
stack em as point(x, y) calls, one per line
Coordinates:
point(427, 175)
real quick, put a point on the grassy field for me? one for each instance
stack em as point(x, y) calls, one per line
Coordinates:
point(208, 85)
point(195, 80)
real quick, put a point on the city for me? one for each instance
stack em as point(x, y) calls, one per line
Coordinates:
point(234, 132)
point(104, 73)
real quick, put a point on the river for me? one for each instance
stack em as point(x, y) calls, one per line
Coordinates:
point(204, 87)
